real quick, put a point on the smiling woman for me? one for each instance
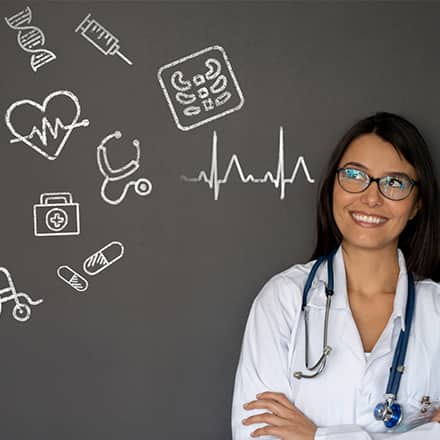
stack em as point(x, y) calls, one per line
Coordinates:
point(371, 293)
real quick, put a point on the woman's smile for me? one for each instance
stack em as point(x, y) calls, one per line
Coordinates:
point(367, 221)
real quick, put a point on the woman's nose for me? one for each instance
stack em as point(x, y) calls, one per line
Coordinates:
point(372, 196)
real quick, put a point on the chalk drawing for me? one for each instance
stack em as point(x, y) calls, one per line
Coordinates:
point(47, 128)
point(21, 311)
point(30, 38)
point(72, 278)
point(100, 37)
point(142, 186)
point(279, 180)
point(92, 265)
point(200, 87)
point(103, 258)
point(56, 214)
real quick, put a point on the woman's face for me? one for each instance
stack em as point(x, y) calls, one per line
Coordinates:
point(377, 158)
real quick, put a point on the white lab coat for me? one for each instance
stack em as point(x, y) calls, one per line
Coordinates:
point(340, 401)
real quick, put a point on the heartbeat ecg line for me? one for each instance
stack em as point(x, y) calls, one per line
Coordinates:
point(279, 180)
point(47, 128)
point(52, 129)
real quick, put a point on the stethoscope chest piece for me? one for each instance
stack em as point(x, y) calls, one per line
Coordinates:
point(390, 412)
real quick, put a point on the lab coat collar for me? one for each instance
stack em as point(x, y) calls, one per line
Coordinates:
point(340, 297)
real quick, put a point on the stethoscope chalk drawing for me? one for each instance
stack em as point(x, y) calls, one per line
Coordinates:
point(142, 186)
point(389, 411)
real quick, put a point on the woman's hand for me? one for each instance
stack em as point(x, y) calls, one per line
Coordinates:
point(436, 416)
point(285, 421)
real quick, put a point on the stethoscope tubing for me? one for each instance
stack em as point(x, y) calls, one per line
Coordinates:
point(397, 367)
point(402, 344)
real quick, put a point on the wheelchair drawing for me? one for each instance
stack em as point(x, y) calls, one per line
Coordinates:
point(21, 311)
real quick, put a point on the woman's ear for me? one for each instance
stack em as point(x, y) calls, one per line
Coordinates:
point(416, 208)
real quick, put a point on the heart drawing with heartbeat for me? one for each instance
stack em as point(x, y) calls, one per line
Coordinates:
point(47, 138)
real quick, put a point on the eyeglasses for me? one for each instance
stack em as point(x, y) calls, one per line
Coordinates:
point(394, 187)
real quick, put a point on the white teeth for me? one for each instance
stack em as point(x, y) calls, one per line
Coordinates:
point(368, 219)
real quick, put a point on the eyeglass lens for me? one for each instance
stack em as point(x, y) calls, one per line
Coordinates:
point(395, 187)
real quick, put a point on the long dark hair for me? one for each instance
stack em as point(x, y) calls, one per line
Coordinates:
point(420, 240)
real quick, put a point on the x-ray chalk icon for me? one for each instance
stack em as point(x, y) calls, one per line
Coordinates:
point(200, 87)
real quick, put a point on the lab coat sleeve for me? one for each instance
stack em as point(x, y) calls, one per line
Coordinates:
point(263, 362)
point(428, 431)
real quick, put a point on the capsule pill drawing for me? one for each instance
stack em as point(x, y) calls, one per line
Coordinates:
point(72, 278)
point(103, 258)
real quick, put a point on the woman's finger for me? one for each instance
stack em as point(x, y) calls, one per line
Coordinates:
point(271, 405)
point(268, 418)
point(278, 397)
point(436, 416)
point(269, 430)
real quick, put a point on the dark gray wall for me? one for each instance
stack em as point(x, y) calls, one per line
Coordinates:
point(150, 349)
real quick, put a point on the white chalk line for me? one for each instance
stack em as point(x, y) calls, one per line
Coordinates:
point(279, 180)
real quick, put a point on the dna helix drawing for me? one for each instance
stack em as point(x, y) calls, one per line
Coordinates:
point(30, 38)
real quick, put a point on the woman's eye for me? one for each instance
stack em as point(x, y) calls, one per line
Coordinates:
point(396, 182)
point(354, 174)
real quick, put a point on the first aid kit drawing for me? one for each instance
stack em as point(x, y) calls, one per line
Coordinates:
point(56, 214)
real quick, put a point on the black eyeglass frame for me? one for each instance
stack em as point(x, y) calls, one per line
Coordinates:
point(375, 179)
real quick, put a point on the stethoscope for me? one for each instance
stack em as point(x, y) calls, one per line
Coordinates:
point(389, 411)
point(142, 186)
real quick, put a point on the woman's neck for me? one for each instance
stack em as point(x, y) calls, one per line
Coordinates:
point(370, 272)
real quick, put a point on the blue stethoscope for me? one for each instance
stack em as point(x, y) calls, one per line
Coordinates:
point(390, 412)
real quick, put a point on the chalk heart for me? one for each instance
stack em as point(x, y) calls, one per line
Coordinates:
point(59, 125)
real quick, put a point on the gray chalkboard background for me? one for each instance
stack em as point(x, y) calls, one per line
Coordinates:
point(150, 349)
